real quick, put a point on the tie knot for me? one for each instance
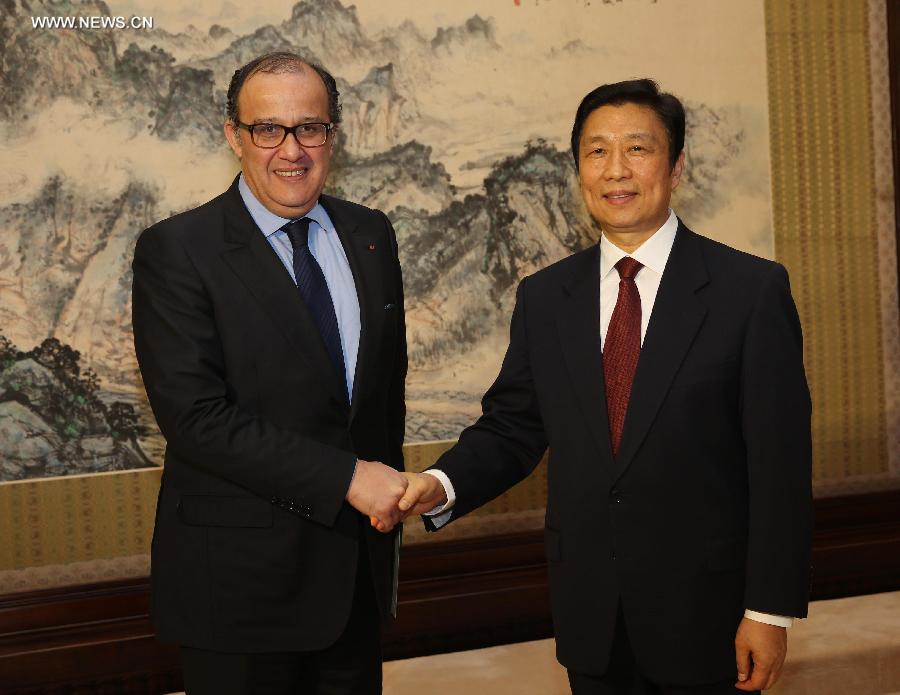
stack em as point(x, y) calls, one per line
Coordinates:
point(628, 267)
point(298, 232)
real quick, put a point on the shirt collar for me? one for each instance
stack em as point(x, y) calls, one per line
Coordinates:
point(267, 221)
point(653, 253)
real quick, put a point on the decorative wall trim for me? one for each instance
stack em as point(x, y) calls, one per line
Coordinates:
point(455, 594)
point(883, 92)
point(834, 228)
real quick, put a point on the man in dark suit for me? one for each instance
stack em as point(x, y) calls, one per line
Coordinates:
point(269, 331)
point(665, 372)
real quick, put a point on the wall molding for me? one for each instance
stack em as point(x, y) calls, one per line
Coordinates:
point(893, 41)
point(455, 594)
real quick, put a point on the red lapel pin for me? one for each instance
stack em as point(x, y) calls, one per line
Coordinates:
point(371, 247)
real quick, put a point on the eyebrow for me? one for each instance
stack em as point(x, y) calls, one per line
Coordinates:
point(628, 136)
point(274, 119)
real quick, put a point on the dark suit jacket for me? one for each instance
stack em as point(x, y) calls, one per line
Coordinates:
point(255, 548)
point(706, 510)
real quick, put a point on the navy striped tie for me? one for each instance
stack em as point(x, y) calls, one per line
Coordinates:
point(315, 294)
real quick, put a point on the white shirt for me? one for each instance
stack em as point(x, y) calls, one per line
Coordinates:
point(653, 254)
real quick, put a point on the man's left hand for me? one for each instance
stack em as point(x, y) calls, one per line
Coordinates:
point(760, 650)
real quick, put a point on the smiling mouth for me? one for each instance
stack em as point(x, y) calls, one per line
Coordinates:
point(291, 174)
point(619, 197)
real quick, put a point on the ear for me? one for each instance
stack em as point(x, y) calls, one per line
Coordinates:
point(233, 136)
point(677, 171)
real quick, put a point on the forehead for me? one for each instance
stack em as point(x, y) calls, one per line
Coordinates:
point(274, 92)
point(623, 120)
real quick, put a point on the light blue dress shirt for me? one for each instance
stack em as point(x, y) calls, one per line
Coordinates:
point(326, 248)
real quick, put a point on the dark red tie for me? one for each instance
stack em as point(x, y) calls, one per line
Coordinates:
point(622, 348)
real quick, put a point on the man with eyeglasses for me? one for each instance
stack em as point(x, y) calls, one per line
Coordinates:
point(269, 330)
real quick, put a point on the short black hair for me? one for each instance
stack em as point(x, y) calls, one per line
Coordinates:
point(645, 92)
point(281, 62)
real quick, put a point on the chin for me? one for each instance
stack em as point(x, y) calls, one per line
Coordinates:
point(305, 203)
point(617, 223)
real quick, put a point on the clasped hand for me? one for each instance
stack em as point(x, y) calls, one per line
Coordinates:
point(387, 496)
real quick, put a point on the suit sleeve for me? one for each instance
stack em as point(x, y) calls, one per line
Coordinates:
point(397, 395)
point(775, 417)
point(508, 440)
point(183, 366)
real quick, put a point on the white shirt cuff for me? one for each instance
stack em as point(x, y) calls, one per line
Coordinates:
point(769, 619)
point(441, 514)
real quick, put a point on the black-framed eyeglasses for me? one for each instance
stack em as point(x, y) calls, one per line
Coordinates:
point(271, 135)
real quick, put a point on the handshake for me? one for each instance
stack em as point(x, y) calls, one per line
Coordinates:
point(387, 496)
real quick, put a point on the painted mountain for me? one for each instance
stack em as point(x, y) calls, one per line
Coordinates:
point(124, 129)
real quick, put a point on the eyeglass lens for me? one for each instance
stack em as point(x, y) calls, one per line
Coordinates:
point(273, 134)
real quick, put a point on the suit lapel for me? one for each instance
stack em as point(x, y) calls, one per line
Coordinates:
point(258, 267)
point(366, 265)
point(677, 316)
point(578, 323)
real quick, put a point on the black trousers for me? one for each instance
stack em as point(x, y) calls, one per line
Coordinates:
point(350, 666)
point(623, 677)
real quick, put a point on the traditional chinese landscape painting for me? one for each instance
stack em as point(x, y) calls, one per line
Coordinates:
point(456, 124)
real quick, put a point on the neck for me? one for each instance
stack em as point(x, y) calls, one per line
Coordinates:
point(628, 242)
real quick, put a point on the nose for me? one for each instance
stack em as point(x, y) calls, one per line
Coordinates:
point(616, 165)
point(291, 149)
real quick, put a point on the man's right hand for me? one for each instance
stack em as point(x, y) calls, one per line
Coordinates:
point(424, 493)
point(375, 491)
